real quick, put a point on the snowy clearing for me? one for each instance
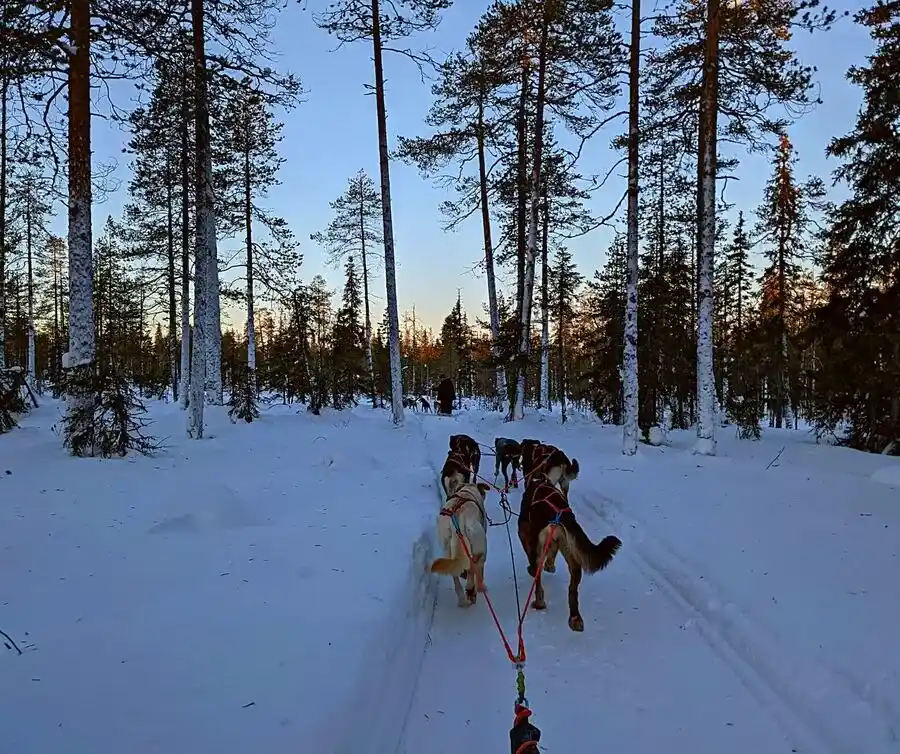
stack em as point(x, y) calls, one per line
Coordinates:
point(260, 590)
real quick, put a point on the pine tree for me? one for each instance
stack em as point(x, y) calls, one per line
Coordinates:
point(858, 329)
point(250, 136)
point(465, 128)
point(355, 229)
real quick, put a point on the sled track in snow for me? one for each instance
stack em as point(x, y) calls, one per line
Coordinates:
point(812, 702)
point(375, 717)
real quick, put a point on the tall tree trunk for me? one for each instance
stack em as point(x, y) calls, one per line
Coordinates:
point(502, 397)
point(706, 385)
point(248, 221)
point(531, 245)
point(390, 274)
point(4, 92)
point(561, 343)
point(31, 356)
point(172, 344)
point(82, 347)
point(205, 233)
point(57, 335)
point(185, 251)
point(545, 308)
point(630, 355)
point(521, 216)
point(370, 362)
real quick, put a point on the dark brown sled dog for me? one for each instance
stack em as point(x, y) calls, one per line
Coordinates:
point(550, 461)
point(543, 504)
point(468, 448)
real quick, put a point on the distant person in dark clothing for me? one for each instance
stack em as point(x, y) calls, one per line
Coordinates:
point(446, 395)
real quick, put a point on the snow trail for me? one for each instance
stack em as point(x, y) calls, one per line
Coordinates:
point(638, 679)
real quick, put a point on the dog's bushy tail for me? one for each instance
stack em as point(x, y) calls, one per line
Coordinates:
point(451, 566)
point(592, 557)
point(572, 471)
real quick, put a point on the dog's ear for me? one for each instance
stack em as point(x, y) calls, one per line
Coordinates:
point(483, 488)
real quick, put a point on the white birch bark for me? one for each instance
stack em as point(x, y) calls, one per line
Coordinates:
point(251, 316)
point(81, 299)
point(388, 223)
point(630, 356)
point(545, 309)
point(706, 385)
point(185, 381)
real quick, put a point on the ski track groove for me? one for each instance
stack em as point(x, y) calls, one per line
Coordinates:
point(742, 645)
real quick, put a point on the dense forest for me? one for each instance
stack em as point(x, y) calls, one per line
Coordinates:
point(678, 328)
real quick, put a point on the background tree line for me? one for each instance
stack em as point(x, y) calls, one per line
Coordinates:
point(776, 314)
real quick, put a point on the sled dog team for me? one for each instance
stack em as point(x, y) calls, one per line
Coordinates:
point(546, 523)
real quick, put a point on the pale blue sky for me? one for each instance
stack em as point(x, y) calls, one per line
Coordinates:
point(333, 134)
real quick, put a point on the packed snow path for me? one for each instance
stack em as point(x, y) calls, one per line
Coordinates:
point(666, 662)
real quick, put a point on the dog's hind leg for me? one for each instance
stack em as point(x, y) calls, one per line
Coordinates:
point(472, 581)
point(534, 569)
point(576, 622)
point(460, 594)
point(550, 560)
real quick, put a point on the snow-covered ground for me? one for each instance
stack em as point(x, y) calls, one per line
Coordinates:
point(264, 591)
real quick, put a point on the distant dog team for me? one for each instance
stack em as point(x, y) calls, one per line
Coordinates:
point(546, 523)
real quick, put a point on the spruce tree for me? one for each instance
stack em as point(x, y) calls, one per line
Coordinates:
point(349, 333)
point(858, 329)
point(785, 217)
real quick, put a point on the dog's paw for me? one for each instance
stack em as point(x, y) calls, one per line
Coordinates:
point(471, 596)
point(464, 575)
point(576, 623)
point(539, 605)
point(531, 571)
point(550, 566)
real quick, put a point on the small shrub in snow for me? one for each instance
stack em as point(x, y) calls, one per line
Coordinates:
point(12, 402)
point(242, 402)
point(108, 420)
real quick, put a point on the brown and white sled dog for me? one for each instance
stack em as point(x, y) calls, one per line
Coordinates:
point(545, 513)
point(463, 517)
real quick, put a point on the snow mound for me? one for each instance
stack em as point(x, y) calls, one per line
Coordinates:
point(889, 475)
point(657, 437)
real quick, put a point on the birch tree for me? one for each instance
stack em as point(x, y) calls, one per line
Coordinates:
point(354, 230)
point(630, 356)
point(352, 21)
